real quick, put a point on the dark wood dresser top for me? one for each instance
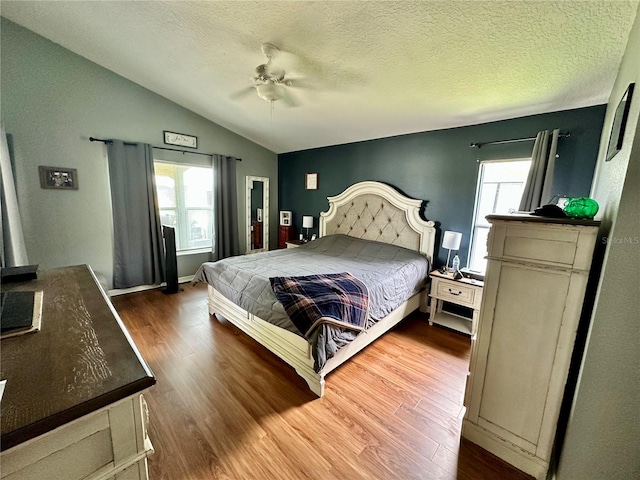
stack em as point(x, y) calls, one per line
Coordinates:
point(81, 360)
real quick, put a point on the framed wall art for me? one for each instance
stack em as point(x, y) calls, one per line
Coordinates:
point(311, 181)
point(180, 139)
point(285, 217)
point(619, 123)
point(58, 178)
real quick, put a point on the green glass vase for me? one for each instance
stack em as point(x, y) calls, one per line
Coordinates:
point(582, 207)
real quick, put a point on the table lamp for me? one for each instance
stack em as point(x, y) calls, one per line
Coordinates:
point(307, 223)
point(451, 241)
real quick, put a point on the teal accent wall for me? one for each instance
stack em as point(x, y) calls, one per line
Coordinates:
point(52, 102)
point(440, 167)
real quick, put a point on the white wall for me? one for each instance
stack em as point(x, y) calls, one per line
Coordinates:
point(52, 102)
point(603, 435)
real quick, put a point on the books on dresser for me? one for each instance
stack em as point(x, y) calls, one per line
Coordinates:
point(20, 313)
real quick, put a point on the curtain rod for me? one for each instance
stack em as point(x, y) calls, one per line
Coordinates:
point(515, 140)
point(93, 139)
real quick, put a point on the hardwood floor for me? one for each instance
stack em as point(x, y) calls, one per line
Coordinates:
point(224, 407)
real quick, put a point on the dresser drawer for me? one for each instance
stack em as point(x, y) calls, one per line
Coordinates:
point(564, 246)
point(551, 245)
point(456, 292)
point(95, 445)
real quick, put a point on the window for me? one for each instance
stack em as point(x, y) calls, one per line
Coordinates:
point(185, 197)
point(500, 187)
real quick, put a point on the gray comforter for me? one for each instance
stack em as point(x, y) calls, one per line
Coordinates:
point(392, 275)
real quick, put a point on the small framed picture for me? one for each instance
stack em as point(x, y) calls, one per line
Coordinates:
point(180, 139)
point(311, 181)
point(619, 123)
point(285, 217)
point(58, 178)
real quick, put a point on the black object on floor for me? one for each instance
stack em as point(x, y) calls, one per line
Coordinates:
point(171, 259)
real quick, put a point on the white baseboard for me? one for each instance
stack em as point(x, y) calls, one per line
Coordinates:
point(142, 288)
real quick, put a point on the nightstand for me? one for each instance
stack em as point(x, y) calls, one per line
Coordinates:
point(294, 243)
point(286, 233)
point(465, 293)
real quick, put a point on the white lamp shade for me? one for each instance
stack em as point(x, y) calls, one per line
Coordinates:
point(307, 221)
point(451, 240)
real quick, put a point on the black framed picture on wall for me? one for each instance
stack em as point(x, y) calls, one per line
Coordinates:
point(619, 123)
point(58, 178)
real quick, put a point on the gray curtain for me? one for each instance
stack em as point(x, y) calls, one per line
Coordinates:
point(12, 251)
point(138, 248)
point(539, 187)
point(225, 231)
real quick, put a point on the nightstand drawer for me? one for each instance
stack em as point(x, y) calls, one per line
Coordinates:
point(456, 292)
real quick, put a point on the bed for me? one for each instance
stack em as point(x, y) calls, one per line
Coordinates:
point(363, 228)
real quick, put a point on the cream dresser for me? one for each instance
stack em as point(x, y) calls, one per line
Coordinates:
point(72, 407)
point(533, 294)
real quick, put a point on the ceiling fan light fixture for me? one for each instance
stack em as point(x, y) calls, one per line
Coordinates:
point(270, 92)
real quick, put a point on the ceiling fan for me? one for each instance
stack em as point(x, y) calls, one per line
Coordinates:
point(270, 82)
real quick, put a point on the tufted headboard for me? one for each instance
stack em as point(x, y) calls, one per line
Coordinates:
point(376, 211)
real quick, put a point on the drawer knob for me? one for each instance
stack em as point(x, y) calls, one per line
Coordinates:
point(454, 293)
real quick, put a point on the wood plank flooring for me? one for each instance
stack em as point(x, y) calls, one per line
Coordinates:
point(224, 407)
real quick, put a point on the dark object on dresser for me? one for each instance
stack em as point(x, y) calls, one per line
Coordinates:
point(551, 211)
point(19, 274)
point(17, 311)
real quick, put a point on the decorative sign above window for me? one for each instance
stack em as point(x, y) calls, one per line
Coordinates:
point(173, 138)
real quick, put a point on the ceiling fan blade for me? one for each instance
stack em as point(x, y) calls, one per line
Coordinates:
point(290, 100)
point(242, 93)
point(302, 83)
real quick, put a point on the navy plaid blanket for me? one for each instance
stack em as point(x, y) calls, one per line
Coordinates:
point(337, 298)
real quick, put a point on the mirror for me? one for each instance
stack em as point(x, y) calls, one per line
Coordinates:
point(257, 214)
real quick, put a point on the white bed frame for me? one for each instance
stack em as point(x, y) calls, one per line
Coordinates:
point(369, 210)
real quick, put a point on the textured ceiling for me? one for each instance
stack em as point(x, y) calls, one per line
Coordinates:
point(360, 70)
